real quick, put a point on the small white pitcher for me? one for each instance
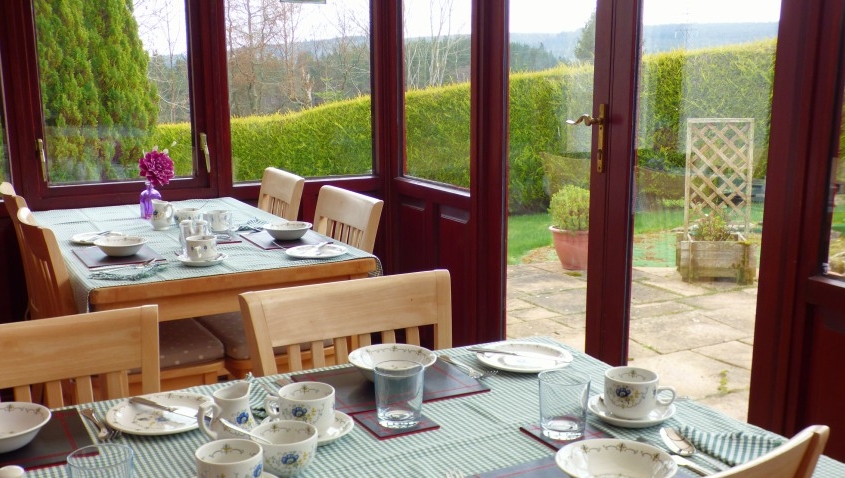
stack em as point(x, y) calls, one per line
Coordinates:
point(231, 403)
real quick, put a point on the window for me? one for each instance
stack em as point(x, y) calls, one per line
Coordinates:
point(437, 90)
point(299, 87)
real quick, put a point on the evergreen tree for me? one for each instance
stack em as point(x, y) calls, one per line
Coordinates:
point(99, 106)
point(585, 50)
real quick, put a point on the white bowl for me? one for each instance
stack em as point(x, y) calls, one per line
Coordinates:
point(612, 457)
point(287, 231)
point(294, 444)
point(120, 246)
point(19, 423)
point(365, 357)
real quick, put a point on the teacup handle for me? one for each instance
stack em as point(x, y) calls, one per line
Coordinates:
point(168, 211)
point(664, 400)
point(205, 426)
point(273, 407)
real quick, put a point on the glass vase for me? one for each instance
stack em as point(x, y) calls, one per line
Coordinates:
point(147, 195)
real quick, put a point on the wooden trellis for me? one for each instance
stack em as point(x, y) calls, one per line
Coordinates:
point(720, 154)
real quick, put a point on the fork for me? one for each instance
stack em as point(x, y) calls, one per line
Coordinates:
point(104, 432)
point(476, 374)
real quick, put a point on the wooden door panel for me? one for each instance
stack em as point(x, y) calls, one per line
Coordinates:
point(820, 400)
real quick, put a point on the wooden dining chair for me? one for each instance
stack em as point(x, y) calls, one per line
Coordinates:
point(796, 458)
point(72, 349)
point(190, 354)
point(281, 193)
point(342, 312)
point(348, 217)
point(15, 203)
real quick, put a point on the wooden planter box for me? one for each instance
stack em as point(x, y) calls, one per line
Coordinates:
point(705, 260)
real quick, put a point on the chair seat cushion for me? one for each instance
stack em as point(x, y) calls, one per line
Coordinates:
point(229, 329)
point(185, 342)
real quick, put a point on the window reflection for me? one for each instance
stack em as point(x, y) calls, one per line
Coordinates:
point(4, 152)
point(836, 249)
point(299, 86)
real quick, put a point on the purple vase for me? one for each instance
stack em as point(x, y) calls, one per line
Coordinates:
point(146, 201)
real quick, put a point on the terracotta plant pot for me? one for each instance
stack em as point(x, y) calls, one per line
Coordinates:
point(571, 248)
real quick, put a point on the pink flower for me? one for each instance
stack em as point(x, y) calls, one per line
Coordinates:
point(157, 167)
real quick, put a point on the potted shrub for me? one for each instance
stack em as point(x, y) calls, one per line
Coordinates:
point(570, 213)
point(712, 249)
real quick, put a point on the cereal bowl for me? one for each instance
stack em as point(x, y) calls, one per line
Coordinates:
point(120, 246)
point(287, 231)
point(612, 457)
point(365, 358)
point(20, 422)
point(292, 446)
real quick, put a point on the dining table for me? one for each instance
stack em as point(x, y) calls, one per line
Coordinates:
point(484, 428)
point(247, 262)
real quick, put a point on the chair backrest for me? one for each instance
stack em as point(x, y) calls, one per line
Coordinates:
point(796, 458)
point(348, 217)
point(345, 311)
point(15, 203)
point(51, 294)
point(280, 193)
point(107, 344)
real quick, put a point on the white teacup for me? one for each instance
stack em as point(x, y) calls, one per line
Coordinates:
point(219, 220)
point(162, 214)
point(229, 457)
point(201, 248)
point(311, 402)
point(190, 213)
point(294, 445)
point(632, 392)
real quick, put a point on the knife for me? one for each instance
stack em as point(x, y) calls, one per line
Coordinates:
point(149, 403)
point(530, 355)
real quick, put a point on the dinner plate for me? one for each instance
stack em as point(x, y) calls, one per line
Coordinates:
point(512, 363)
point(88, 238)
point(655, 417)
point(264, 474)
point(203, 263)
point(142, 420)
point(310, 252)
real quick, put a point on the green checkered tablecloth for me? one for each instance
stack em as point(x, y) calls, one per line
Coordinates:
point(478, 433)
point(243, 256)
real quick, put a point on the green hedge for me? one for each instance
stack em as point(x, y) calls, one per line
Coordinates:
point(335, 139)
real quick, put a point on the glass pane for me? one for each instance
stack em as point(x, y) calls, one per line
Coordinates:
point(299, 87)
point(437, 90)
point(702, 146)
point(836, 249)
point(551, 81)
point(100, 89)
point(5, 174)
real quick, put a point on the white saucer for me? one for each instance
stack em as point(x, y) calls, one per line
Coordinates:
point(655, 417)
point(88, 238)
point(310, 252)
point(204, 263)
point(558, 357)
point(143, 420)
point(342, 425)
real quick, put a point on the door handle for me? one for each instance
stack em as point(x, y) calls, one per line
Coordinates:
point(600, 121)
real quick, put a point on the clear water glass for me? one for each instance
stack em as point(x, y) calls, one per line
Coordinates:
point(399, 393)
point(563, 403)
point(104, 460)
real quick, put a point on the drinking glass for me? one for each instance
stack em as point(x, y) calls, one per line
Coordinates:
point(399, 393)
point(105, 460)
point(563, 403)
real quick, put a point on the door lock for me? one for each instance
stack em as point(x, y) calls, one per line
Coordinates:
point(600, 121)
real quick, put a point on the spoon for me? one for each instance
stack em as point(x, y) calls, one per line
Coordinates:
point(236, 429)
point(682, 446)
point(678, 459)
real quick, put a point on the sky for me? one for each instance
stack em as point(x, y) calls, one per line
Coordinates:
point(526, 16)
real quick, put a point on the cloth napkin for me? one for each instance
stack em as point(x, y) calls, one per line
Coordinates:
point(128, 274)
point(732, 448)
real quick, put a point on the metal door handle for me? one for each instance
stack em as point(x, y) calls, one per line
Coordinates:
point(600, 121)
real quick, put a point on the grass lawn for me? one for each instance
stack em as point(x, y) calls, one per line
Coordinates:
point(529, 238)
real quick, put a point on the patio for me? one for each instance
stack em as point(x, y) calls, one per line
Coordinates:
point(697, 336)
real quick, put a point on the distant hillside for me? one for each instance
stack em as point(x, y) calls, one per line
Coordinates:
point(659, 38)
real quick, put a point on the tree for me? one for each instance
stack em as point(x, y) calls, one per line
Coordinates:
point(585, 49)
point(98, 105)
